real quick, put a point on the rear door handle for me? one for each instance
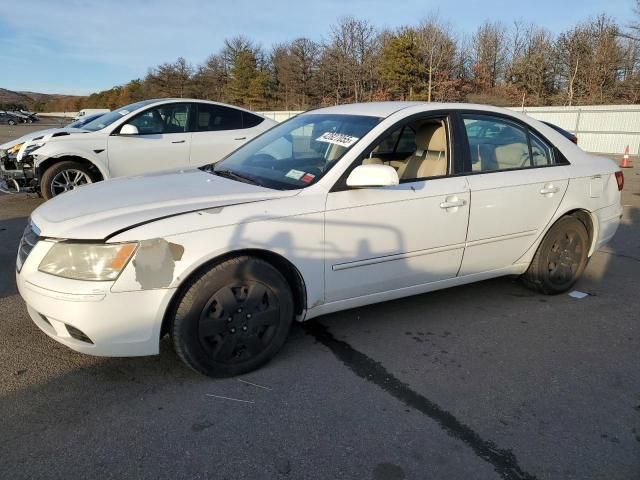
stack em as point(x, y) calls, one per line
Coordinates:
point(240, 138)
point(178, 141)
point(453, 203)
point(548, 189)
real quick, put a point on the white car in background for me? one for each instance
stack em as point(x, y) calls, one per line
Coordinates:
point(144, 137)
point(333, 209)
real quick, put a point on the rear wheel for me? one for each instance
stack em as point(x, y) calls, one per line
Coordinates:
point(560, 259)
point(63, 177)
point(11, 122)
point(232, 318)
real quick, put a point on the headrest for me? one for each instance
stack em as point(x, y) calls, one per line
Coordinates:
point(431, 136)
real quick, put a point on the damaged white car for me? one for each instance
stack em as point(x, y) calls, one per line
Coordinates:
point(16, 164)
point(334, 209)
point(144, 137)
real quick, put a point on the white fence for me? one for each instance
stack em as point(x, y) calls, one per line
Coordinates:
point(280, 115)
point(601, 128)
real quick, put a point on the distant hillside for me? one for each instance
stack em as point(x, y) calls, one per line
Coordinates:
point(35, 101)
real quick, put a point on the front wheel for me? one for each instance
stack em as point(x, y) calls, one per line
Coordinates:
point(11, 122)
point(560, 259)
point(232, 318)
point(63, 177)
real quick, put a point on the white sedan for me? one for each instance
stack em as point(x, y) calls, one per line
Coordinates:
point(333, 209)
point(144, 137)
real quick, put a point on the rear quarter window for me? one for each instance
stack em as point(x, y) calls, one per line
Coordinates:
point(250, 120)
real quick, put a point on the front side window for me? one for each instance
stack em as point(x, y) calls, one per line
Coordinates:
point(417, 150)
point(295, 153)
point(216, 117)
point(169, 118)
point(111, 117)
point(499, 144)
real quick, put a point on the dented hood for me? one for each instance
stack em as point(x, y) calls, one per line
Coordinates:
point(99, 210)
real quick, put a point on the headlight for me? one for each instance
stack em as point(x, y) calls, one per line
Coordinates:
point(15, 148)
point(85, 261)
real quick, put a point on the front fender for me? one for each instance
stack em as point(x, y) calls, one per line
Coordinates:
point(54, 151)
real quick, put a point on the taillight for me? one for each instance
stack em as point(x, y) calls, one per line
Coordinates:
point(620, 180)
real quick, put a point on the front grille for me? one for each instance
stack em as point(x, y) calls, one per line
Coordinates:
point(27, 242)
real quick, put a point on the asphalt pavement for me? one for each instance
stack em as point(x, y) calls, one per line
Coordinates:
point(482, 381)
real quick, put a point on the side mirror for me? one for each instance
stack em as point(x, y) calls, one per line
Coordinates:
point(373, 176)
point(129, 129)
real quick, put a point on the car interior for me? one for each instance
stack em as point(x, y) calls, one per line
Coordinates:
point(417, 150)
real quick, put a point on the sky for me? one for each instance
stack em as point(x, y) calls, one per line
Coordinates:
point(78, 47)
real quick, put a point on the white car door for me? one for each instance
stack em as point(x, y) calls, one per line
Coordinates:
point(218, 131)
point(389, 238)
point(517, 183)
point(162, 142)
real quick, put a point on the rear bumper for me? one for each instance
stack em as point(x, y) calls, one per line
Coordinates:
point(608, 223)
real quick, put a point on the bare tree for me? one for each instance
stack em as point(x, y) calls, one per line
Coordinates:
point(438, 49)
point(490, 55)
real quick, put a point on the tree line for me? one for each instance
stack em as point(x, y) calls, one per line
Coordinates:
point(594, 62)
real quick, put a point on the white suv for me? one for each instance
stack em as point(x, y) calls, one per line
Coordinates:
point(144, 137)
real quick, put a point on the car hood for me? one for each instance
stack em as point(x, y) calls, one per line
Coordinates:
point(97, 211)
point(40, 133)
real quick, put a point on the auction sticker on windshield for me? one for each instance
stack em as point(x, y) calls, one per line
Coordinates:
point(295, 174)
point(337, 139)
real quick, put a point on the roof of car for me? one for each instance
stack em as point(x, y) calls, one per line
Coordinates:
point(384, 109)
point(372, 109)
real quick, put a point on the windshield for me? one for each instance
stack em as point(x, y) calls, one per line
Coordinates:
point(296, 153)
point(108, 118)
point(84, 120)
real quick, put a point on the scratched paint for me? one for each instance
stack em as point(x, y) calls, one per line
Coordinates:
point(155, 263)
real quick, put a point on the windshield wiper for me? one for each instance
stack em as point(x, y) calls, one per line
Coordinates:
point(236, 176)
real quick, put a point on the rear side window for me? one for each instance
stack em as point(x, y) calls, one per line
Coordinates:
point(216, 117)
point(541, 153)
point(250, 120)
point(499, 144)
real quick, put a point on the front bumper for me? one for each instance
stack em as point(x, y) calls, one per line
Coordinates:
point(87, 316)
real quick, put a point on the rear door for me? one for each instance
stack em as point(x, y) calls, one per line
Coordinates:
point(517, 182)
point(219, 130)
point(162, 142)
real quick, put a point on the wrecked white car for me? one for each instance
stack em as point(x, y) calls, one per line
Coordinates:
point(144, 137)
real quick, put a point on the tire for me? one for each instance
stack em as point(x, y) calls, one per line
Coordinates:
point(560, 259)
point(11, 122)
point(232, 318)
point(57, 173)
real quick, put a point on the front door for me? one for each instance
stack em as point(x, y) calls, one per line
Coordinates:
point(390, 238)
point(162, 142)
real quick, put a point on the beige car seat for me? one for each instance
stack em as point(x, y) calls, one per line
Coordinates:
point(430, 157)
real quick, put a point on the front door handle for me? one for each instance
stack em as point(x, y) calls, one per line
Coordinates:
point(548, 190)
point(453, 203)
point(178, 141)
point(240, 138)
